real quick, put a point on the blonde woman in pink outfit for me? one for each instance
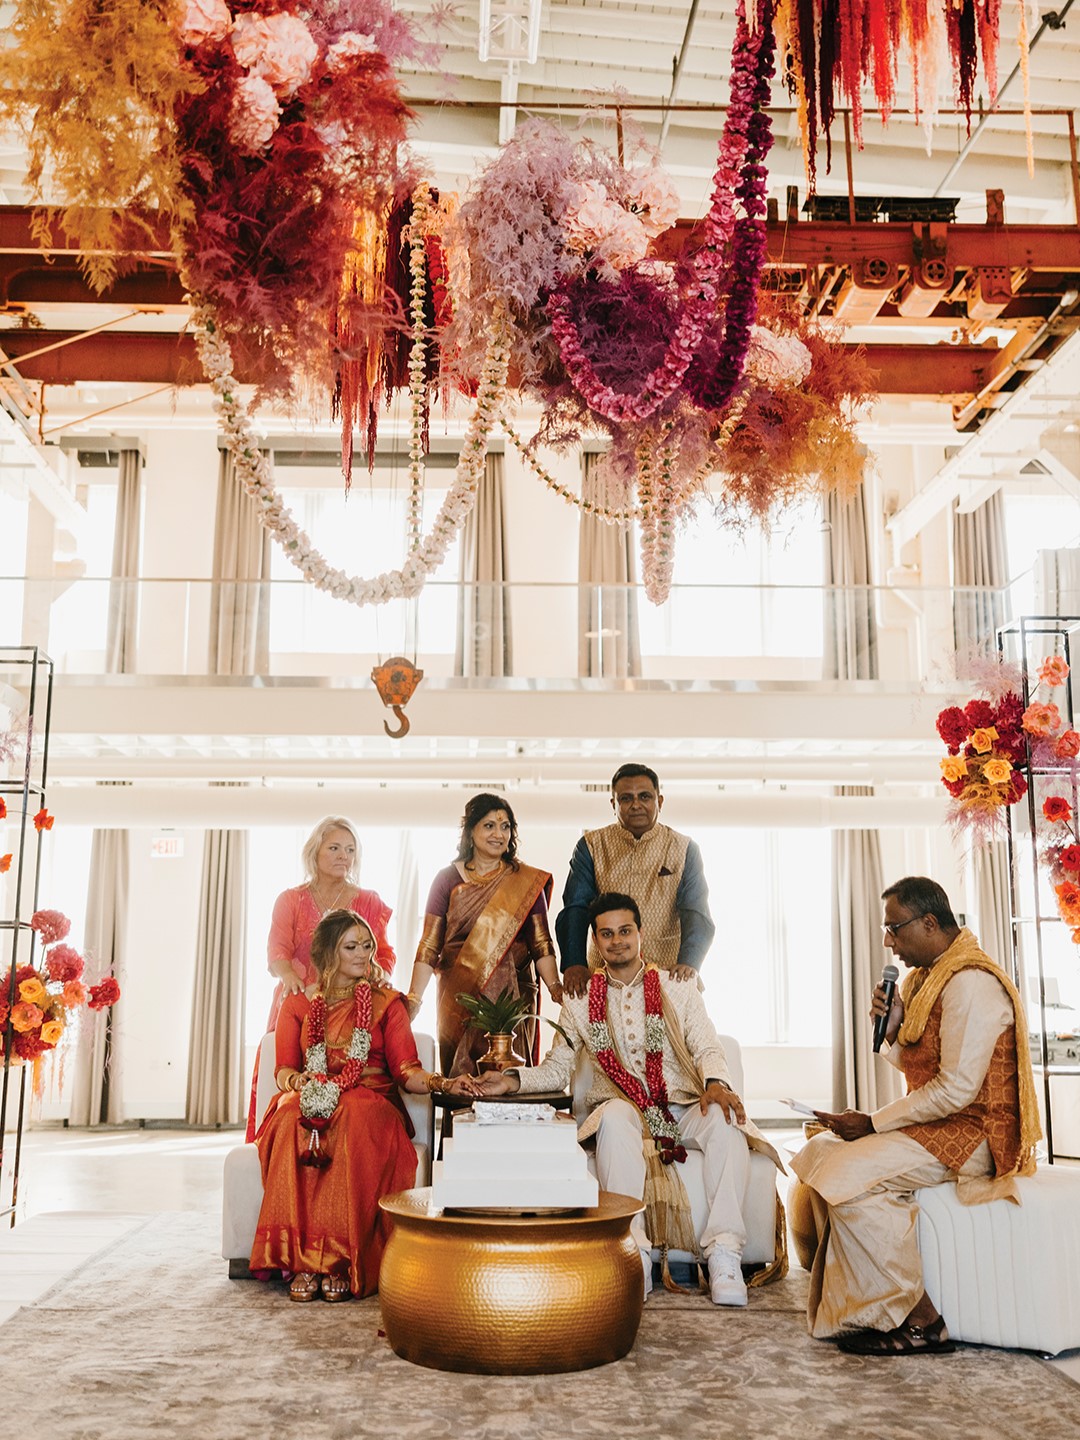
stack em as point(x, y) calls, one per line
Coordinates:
point(331, 860)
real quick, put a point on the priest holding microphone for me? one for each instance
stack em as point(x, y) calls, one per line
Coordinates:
point(956, 1028)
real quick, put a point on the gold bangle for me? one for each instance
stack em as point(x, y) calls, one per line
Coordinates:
point(412, 995)
point(436, 1083)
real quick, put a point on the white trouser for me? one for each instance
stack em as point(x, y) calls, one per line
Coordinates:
point(620, 1166)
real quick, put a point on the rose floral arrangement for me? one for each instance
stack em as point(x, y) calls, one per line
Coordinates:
point(39, 1000)
point(993, 735)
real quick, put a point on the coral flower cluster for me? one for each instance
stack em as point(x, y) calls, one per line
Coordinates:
point(38, 1001)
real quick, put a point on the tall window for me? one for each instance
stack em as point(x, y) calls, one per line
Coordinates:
point(705, 617)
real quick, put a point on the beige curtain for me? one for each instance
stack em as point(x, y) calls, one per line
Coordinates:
point(95, 1085)
point(608, 642)
point(216, 1080)
point(861, 1081)
point(993, 903)
point(239, 604)
point(483, 633)
point(850, 649)
point(980, 573)
point(1057, 582)
point(121, 631)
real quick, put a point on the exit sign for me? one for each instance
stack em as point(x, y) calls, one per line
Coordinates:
point(167, 847)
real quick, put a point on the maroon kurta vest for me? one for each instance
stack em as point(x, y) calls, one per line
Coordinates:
point(994, 1114)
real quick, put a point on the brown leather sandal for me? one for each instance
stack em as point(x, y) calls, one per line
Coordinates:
point(335, 1288)
point(303, 1287)
point(906, 1339)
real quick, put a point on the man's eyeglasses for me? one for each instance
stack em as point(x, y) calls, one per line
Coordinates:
point(890, 927)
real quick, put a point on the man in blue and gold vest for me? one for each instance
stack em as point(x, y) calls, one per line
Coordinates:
point(956, 1029)
point(637, 856)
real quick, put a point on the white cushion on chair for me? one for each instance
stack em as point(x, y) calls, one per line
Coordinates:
point(760, 1211)
point(1004, 1274)
point(243, 1190)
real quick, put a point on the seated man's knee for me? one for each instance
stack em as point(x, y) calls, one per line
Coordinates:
point(619, 1116)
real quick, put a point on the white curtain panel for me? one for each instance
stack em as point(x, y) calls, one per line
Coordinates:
point(483, 632)
point(980, 574)
point(96, 1067)
point(121, 632)
point(992, 897)
point(608, 641)
point(1057, 582)
point(240, 596)
point(217, 1089)
point(861, 1080)
point(851, 645)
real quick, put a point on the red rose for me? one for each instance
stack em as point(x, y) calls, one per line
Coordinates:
point(952, 727)
point(51, 925)
point(3, 808)
point(29, 1045)
point(62, 963)
point(979, 714)
point(43, 820)
point(1018, 788)
point(1056, 809)
point(24, 972)
point(1069, 859)
point(105, 994)
point(1067, 745)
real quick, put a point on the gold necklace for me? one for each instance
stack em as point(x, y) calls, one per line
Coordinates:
point(313, 888)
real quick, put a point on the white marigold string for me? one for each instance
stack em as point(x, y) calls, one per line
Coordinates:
point(598, 512)
point(253, 471)
point(422, 219)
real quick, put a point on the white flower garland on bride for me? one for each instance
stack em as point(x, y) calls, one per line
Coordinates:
point(253, 470)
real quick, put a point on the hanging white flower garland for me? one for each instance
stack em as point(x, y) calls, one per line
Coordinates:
point(253, 471)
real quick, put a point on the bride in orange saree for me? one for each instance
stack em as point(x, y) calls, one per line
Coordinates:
point(337, 1136)
point(485, 930)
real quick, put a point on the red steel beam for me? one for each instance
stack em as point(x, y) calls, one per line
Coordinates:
point(145, 358)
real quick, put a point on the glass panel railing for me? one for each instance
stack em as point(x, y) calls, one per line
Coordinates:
point(551, 631)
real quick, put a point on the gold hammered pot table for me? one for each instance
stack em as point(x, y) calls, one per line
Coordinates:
point(510, 1294)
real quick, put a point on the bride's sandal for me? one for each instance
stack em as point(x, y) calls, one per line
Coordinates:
point(335, 1288)
point(303, 1287)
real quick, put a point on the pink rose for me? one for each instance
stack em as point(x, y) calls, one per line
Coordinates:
point(654, 198)
point(1054, 671)
point(347, 48)
point(1042, 719)
point(279, 48)
point(205, 20)
point(254, 116)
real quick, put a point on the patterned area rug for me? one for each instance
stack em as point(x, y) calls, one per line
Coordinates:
point(150, 1338)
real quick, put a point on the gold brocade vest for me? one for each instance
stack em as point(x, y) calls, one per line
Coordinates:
point(994, 1114)
point(649, 871)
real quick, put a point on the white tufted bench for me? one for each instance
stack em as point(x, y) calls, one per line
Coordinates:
point(243, 1190)
point(1004, 1274)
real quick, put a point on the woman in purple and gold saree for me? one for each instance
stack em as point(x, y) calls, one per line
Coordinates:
point(485, 930)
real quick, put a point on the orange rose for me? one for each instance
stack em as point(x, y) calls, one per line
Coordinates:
point(998, 772)
point(3, 808)
point(5, 864)
point(983, 739)
point(51, 1031)
point(26, 1017)
point(1067, 745)
point(32, 991)
point(1056, 808)
point(1067, 892)
point(74, 995)
point(1041, 719)
point(1054, 671)
point(954, 767)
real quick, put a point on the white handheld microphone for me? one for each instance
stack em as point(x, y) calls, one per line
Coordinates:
point(889, 977)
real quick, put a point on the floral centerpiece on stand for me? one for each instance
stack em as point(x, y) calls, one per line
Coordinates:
point(40, 1000)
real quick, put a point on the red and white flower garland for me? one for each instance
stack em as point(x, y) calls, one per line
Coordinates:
point(652, 1097)
point(320, 1095)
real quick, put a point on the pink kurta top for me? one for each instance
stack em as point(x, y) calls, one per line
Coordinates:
point(293, 924)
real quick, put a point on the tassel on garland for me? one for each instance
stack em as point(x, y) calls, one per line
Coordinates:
point(357, 388)
point(315, 1156)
